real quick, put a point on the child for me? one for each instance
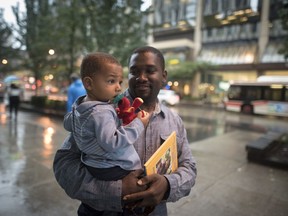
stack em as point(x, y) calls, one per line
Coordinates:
point(106, 146)
point(105, 143)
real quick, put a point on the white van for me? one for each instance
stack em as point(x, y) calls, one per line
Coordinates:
point(168, 97)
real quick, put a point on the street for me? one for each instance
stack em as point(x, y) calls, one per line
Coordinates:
point(226, 184)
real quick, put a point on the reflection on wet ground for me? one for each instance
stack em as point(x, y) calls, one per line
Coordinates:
point(200, 128)
point(27, 183)
point(202, 123)
point(27, 147)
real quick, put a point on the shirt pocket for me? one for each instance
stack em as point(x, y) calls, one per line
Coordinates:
point(163, 137)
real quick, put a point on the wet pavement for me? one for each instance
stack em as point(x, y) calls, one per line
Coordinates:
point(227, 184)
point(27, 183)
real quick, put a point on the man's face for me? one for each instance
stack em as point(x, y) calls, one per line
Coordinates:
point(146, 76)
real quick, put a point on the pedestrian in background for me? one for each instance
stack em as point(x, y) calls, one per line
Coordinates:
point(75, 90)
point(15, 93)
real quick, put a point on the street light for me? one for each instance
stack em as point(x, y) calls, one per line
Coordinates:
point(4, 61)
point(51, 51)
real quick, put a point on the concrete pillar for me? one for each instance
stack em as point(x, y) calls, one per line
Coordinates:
point(264, 30)
point(198, 29)
point(197, 47)
point(150, 37)
point(195, 85)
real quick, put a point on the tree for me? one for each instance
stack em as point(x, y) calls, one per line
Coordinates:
point(69, 40)
point(7, 53)
point(74, 27)
point(97, 25)
point(187, 70)
point(115, 27)
point(34, 30)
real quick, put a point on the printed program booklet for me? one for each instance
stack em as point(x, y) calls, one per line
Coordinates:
point(164, 160)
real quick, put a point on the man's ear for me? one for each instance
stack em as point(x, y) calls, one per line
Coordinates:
point(164, 77)
point(87, 82)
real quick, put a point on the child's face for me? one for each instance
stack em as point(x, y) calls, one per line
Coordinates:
point(106, 84)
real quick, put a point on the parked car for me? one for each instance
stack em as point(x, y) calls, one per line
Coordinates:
point(168, 97)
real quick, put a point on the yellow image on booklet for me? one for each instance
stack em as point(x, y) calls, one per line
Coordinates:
point(164, 160)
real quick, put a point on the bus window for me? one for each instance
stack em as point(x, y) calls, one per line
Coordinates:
point(286, 94)
point(234, 92)
point(253, 93)
point(272, 94)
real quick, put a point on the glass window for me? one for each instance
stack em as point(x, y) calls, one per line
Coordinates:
point(253, 93)
point(234, 92)
point(240, 4)
point(226, 5)
point(272, 94)
point(276, 94)
point(191, 10)
point(254, 5)
point(208, 7)
point(215, 6)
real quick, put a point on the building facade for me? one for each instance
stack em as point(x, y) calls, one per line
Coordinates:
point(242, 38)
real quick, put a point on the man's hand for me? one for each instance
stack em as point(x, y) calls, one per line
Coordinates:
point(129, 183)
point(157, 187)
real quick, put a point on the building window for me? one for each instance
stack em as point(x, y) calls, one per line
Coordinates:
point(215, 7)
point(171, 12)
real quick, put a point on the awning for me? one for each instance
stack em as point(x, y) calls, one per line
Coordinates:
point(232, 53)
point(271, 53)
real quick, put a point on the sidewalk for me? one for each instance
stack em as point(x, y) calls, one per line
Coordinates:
point(227, 184)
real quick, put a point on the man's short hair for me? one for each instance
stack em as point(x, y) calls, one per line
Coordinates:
point(150, 49)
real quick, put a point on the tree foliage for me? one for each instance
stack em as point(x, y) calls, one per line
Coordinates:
point(75, 27)
point(6, 50)
point(187, 70)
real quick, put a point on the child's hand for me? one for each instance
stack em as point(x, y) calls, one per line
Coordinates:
point(144, 117)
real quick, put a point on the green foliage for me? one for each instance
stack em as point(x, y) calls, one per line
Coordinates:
point(116, 28)
point(43, 102)
point(75, 27)
point(34, 30)
point(6, 50)
point(39, 101)
point(5, 36)
point(187, 70)
point(56, 105)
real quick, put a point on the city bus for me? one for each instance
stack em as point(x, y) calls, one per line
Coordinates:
point(261, 97)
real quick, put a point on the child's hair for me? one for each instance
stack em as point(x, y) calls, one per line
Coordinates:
point(93, 62)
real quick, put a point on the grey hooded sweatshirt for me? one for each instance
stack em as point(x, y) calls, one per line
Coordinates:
point(101, 138)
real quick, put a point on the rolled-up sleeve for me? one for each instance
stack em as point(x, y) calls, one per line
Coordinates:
point(79, 184)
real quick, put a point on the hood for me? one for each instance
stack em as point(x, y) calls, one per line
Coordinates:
point(83, 107)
